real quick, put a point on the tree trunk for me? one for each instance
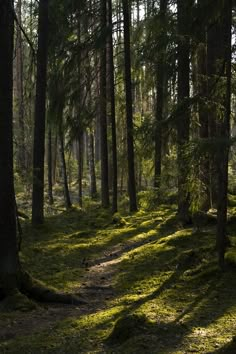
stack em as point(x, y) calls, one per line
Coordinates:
point(21, 152)
point(39, 123)
point(54, 157)
point(223, 126)
point(63, 169)
point(184, 15)
point(214, 33)
point(80, 168)
point(79, 110)
point(9, 261)
point(50, 193)
point(112, 108)
point(103, 112)
point(12, 278)
point(202, 108)
point(160, 81)
point(92, 174)
point(129, 108)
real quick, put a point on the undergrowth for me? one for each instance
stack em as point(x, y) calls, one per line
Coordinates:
point(169, 295)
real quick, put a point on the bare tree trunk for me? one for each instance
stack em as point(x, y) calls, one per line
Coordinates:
point(184, 15)
point(54, 157)
point(39, 124)
point(224, 133)
point(21, 152)
point(103, 113)
point(160, 81)
point(112, 109)
point(63, 169)
point(200, 83)
point(92, 174)
point(9, 261)
point(80, 168)
point(129, 108)
point(50, 193)
point(213, 35)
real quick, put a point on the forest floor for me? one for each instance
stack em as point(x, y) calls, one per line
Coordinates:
point(150, 286)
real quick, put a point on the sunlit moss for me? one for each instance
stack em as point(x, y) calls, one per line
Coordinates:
point(161, 272)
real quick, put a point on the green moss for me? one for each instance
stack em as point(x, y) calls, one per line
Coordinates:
point(168, 295)
point(17, 302)
point(126, 327)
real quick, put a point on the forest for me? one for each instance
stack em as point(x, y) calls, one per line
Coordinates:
point(117, 176)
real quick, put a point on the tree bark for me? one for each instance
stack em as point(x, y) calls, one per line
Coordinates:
point(9, 261)
point(160, 82)
point(80, 168)
point(63, 168)
point(202, 107)
point(184, 15)
point(214, 37)
point(92, 174)
point(112, 108)
point(129, 109)
point(21, 151)
point(103, 111)
point(50, 192)
point(39, 123)
point(224, 132)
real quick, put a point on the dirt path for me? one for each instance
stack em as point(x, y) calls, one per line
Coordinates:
point(96, 289)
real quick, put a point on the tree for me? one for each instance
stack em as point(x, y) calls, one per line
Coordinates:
point(103, 108)
point(129, 108)
point(112, 107)
point(223, 123)
point(184, 15)
point(40, 112)
point(160, 81)
point(21, 151)
point(203, 111)
point(9, 262)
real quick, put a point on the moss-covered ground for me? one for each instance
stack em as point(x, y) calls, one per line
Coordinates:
point(150, 286)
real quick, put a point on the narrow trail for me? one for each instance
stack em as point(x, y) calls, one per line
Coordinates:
point(96, 289)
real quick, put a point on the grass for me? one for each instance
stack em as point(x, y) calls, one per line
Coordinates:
point(169, 295)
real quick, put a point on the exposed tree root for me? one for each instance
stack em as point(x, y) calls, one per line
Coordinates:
point(36, 290)
point(29, 289)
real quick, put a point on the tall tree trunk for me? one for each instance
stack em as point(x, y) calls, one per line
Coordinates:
point(214, 33)
point(92, 174)
point(8, 249)
point(224, 130)
point(112, 108)
point(79, 110)
point(54, 157)
point(202, 107)
point(204, 167)
point(80, 168)
point(160, 81)
point(103, 112)
point(129, 108)
point(63, 168)
point(39, 123)
point(50, 193)
point(184, 15)
point(21, 152)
